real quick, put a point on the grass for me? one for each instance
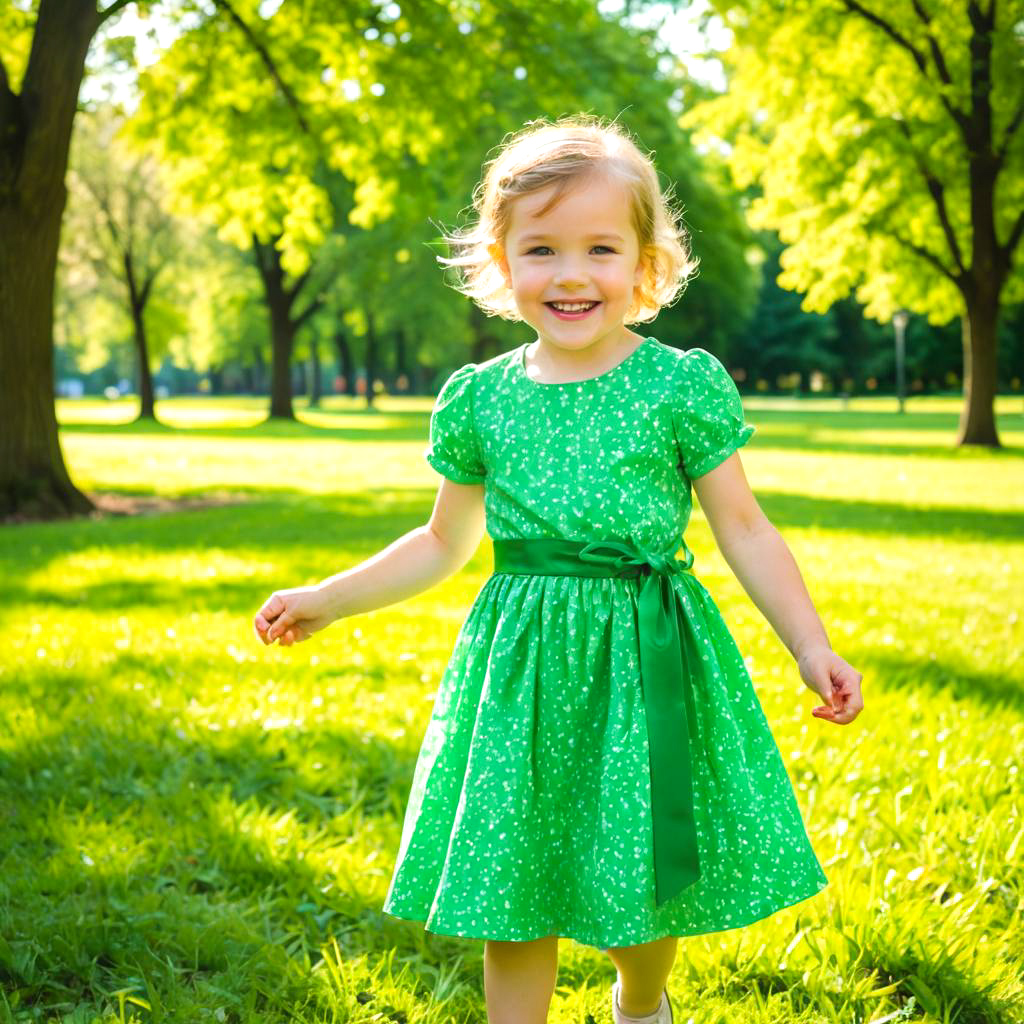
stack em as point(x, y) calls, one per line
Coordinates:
point(197, 828)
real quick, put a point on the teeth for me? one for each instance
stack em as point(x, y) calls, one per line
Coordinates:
point(573, 307)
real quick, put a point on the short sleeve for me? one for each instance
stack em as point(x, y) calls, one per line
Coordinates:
point(708, 414)
point(454, 449)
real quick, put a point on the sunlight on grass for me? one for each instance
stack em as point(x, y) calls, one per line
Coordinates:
point(198, 411)
point(209, 826)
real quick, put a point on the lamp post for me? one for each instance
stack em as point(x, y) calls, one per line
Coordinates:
point(899, 322)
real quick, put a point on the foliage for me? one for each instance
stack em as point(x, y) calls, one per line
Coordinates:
point(405, 104)
point(852, 141)
point(16, 26)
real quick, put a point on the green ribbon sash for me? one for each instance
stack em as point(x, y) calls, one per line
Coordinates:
point(669, 658)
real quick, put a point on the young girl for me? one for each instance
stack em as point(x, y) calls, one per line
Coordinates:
point(597, 765)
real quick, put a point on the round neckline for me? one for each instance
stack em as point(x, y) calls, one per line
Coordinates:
point(570, 383)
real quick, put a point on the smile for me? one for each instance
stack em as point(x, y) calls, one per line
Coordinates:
point(572, 310)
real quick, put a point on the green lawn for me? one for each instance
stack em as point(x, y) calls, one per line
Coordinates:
point(194, 827)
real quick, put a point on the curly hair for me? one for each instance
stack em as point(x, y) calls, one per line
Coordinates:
point(564, 153)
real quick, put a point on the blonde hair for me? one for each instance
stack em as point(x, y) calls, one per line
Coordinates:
point(574, 148)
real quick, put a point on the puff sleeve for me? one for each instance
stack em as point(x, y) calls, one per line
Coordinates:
point(708, 414)
point(454, 449)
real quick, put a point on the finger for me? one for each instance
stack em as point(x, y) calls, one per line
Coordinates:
point(838, 716)
point(262, 627)
point(281, 624)
point(291, 636)
point(272, 607)
point(265, 617)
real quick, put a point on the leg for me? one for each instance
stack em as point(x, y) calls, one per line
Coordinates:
point(643, 971)
point(519, 980)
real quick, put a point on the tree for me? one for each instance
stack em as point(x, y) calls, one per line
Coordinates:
point(35, 136)
point(115, 223)
point(258, 145)
point(887, 141)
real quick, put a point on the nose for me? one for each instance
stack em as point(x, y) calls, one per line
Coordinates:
point(568, 274)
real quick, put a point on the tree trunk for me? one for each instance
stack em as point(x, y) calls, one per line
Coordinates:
point(315, 387)
point(282, 330)
point(371, 358)
point(35, 135)
point(144, 375)
point(346, 364)
point(988, 271)
point(401, 359)
point(282, 340)
point(980, 326)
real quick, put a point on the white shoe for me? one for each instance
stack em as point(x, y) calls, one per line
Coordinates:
point(663, 1015)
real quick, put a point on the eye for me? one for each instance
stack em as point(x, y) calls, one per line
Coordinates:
point(537, 248)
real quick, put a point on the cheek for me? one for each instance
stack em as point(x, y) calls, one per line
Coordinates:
point(616, 280)
point(529, 280)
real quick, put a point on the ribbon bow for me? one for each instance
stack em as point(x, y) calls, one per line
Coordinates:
point(668, 659)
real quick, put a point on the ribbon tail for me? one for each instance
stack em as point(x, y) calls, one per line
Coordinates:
point(670, 709)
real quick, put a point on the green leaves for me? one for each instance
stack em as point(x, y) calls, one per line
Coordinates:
point(857, 129)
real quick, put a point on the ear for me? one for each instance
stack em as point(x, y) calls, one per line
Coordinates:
point(497, 254)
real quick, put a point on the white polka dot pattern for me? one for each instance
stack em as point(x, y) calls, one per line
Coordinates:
point(529, 812)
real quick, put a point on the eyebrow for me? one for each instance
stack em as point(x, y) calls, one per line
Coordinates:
point(607, 234)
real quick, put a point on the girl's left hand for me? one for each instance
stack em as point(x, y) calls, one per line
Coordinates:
point(836, 680)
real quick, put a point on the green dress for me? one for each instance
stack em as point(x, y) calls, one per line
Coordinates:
point(529, 813)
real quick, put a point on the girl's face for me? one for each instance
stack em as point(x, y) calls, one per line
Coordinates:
point(584, 250)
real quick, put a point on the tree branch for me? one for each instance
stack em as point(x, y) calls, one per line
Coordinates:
point(1006, 251)
point(1011, 130)
point(101, 197)
point(268, 62)
point(116, 6)
point(959, 117)
point(880, 223)
point(980, 48)
point(260, 258)
point(937, 55)
point(148, 280)
point(312, 308)
point(938, 193)
point(925, 254)
point(297, 286)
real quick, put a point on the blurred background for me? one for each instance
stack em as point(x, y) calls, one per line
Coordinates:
point(254, 190)
point(222, 327)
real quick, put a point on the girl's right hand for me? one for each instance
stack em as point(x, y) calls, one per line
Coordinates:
point(835, 680)
point(292, 616)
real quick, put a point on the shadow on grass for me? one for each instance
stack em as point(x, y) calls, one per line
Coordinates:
point(360, 525)
point(201, 900)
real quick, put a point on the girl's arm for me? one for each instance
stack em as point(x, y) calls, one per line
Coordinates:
point(415, 562)
point(764, 565)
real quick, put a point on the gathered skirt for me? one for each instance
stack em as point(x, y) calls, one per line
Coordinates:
point(529, 812)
